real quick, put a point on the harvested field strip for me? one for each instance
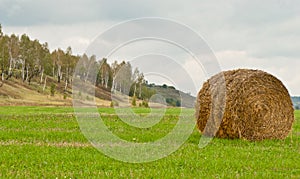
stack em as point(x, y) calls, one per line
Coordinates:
point(40, 130)
point(42, 143)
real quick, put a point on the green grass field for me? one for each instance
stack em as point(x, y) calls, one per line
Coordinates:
point(47, 142)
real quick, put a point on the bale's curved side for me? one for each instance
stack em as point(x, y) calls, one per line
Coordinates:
point(258, 106)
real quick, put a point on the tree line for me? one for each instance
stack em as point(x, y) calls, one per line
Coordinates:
point(26, 59)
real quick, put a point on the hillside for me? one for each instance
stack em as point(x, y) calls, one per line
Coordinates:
point(14, 92)
point(296, 102)
point(173, 96)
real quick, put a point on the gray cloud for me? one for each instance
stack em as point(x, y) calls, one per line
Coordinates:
point(263, 13)
point(31, 12)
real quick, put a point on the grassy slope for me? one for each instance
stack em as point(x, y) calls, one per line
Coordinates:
point(16, 93)
point(47, 142)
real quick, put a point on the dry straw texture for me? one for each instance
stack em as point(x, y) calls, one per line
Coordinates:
point(253, 105)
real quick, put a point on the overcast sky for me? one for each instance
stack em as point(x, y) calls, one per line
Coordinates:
point(243, 34)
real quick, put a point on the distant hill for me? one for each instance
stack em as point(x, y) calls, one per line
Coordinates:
point(173, 96)
point(296, 102)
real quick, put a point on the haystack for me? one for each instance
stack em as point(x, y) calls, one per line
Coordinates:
point(252, 105)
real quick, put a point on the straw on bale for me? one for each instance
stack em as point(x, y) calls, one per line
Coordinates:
point(253, 105)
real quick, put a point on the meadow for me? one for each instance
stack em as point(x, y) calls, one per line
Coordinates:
point(47, 142)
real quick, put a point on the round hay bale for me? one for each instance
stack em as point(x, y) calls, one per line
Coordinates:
point(255, 106)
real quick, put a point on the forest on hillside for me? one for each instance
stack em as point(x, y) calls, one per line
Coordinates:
point(25, 59)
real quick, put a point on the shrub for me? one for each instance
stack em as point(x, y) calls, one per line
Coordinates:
point(133, 101)
point(114, 103)
point(145, 104)
point(52, 89)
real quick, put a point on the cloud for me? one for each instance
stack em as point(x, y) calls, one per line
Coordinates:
point(284, 68)
point(262, 28)
point(31, 12)
point(244, 34)
point(78, 36)
point(197, 74)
